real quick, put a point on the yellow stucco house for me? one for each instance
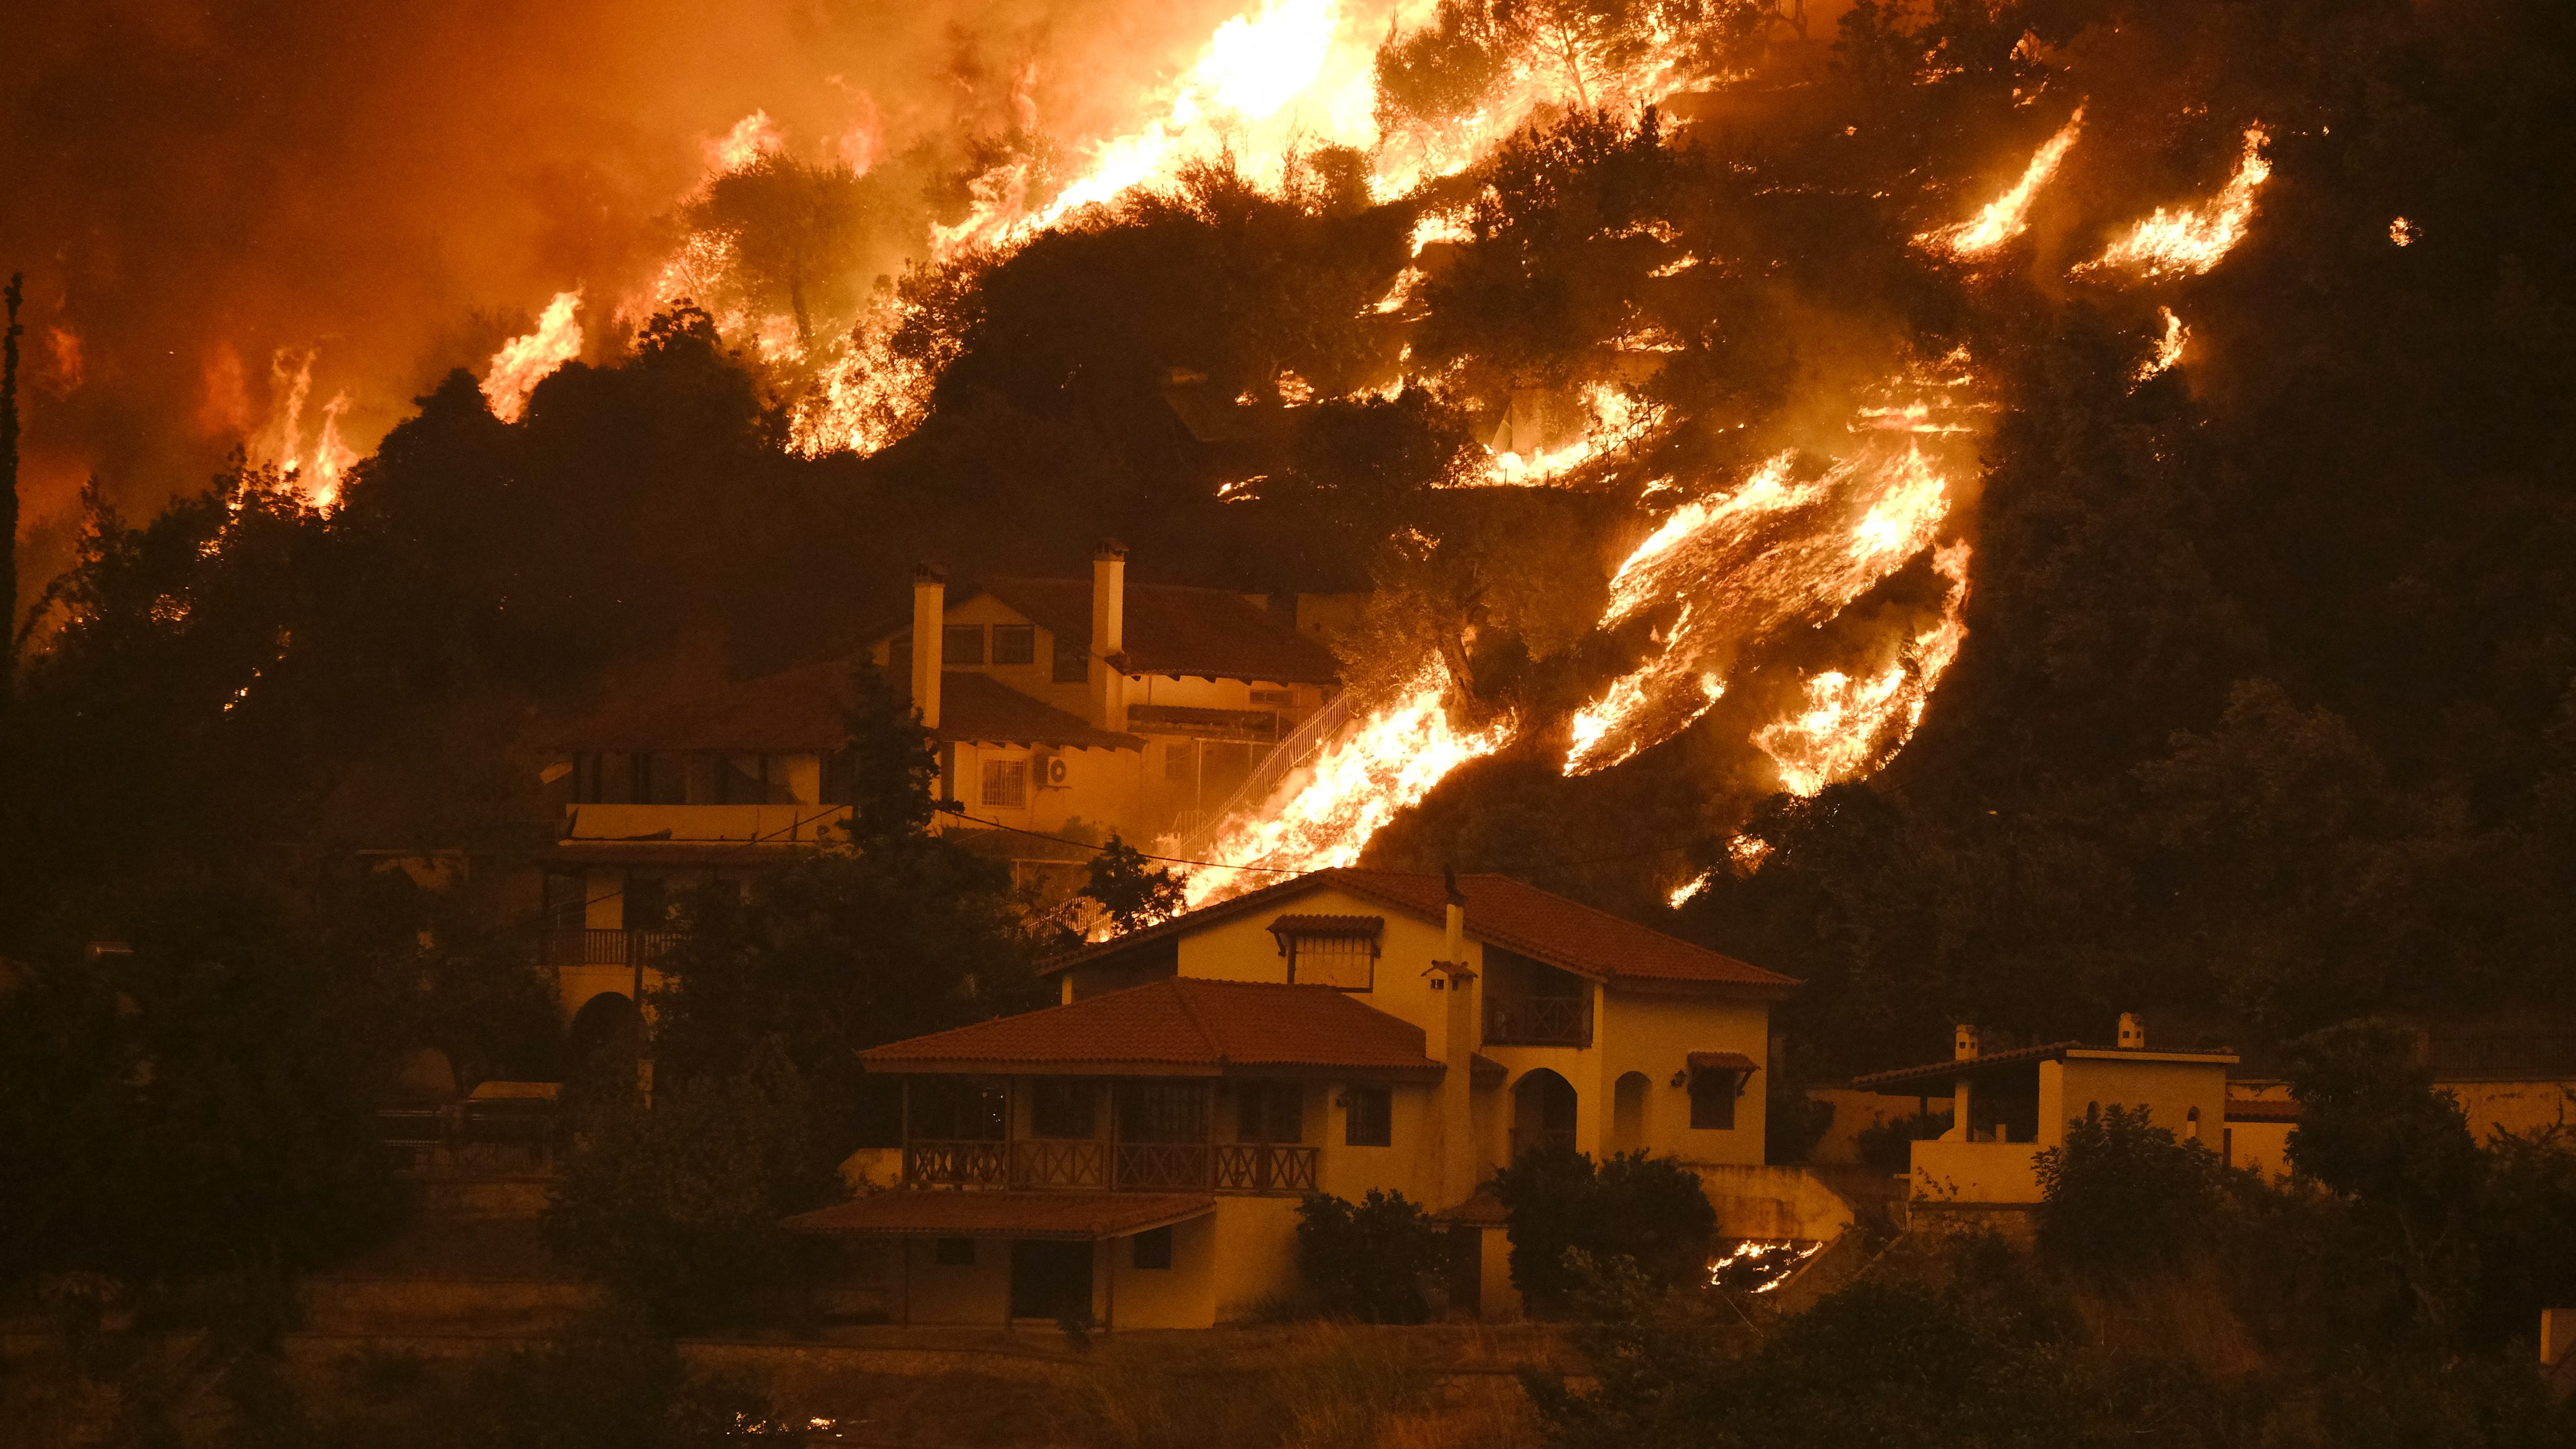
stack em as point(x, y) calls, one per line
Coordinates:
point(2009, 1106)
point(1137, 1152)
point(1138, 708)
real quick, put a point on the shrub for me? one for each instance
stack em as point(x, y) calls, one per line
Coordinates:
point(2123, 1192)
point(1889, 1146)
point(1649, 1211)
point(1368, 1259)
point(1792, 1124)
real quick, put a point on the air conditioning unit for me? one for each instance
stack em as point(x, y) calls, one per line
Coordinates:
point(1046, 768)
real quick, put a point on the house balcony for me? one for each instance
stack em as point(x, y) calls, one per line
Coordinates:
point(1244, 1167)
point(787, 824)
point(580, 947)
point(1559, 1021)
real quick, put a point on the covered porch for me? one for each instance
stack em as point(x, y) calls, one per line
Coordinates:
point(1106, 1260)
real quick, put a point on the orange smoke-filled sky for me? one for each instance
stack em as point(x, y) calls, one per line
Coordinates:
point(394, 187)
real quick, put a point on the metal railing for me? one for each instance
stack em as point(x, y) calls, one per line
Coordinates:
point(1538, 1021)
point(1294, 749)
point(1115, 1166)
point(581, 947)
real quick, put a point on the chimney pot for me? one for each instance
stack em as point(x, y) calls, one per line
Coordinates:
point(1963, 1042)
point(2133, 1032)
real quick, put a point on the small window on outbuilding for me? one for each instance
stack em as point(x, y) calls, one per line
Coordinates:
point(1153, 1248)
point(1015, 644)
point(1369, 1119)
point(953, 1252)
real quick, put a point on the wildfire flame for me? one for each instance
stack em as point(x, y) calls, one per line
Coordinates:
point(1851, 724)
point(1324, 814)
point(2007, 216)
point(2168, 347)
point(523, 362)
point(2189, 242)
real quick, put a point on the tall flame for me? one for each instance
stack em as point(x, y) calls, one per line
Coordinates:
point(2168, 347)
point(2190, 241)
point(1325, 813)
point(2008, 215)
point(523, 362)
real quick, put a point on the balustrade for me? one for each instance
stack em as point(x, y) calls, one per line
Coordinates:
point(1538, 1021)
point(1120, 1166)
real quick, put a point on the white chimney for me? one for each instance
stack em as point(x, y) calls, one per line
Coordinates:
point(929, 639)
point(2133, 1032)
point(1963, 1042)
point(1460, 1169)
point(1109, 635)
point(1455, 947)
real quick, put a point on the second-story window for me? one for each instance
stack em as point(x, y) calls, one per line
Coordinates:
point(1162, 1112)
point(1368, 1119)
point(1006, 783)
point(1269, 1112)
point(956, 1109)
point(1339, 951)
point(1065, 1107)
point(1015, 644)
point(961, 644)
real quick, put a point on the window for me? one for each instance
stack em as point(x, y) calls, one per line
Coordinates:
point(953, 1252)
point(1015, 644)
point(955, 1109)
point(1153, 1248)
point(1269, 1112)
point(961, 644)
point(1180, 764)
point(1006, 783)
point(1712, 1092)
point(1274, 698)
point(1161, 1112)
point(1059, 1108)
point(1349, 962)
point(1072, 666)
point(1369, 1120)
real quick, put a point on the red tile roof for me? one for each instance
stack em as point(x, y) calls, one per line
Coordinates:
point(1721, 1061)
point(1170, 629)
point(948, 1214)
point(2270, 1109)
point(1500, 912)
point(1942, 1073)
point(1180, 1026)
point(807, 708)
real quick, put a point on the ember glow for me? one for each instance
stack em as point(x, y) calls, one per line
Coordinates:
point(2008, 215)
point(1323, 814)
point(2189, 242)
point(523, 362)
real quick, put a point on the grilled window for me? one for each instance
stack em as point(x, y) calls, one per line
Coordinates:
point(1006, 783)
point(1274, 698)
point(1369, 1120)
point(962, 644)
point(1153, 1248)
point(1349, 962)
point(1269, 1112)
point(1062, 1108)
point(1015, 644)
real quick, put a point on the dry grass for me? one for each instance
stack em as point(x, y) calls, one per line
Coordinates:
point(1318, 1386)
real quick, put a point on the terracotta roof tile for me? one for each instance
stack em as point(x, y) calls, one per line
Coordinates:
point(2270, 1109)
point(933, 1213)
point(1183, 1026)
point(1939, 1072)
point(1170, 629)
point(1500, 911)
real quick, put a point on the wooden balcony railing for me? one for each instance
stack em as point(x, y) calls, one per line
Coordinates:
point(1538, 1021)
point(1118, 1166)
point(604, 948)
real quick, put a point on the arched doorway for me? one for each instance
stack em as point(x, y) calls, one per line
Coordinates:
point(1628, 1113)
point(1543, 1109)
point(602, 1045)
